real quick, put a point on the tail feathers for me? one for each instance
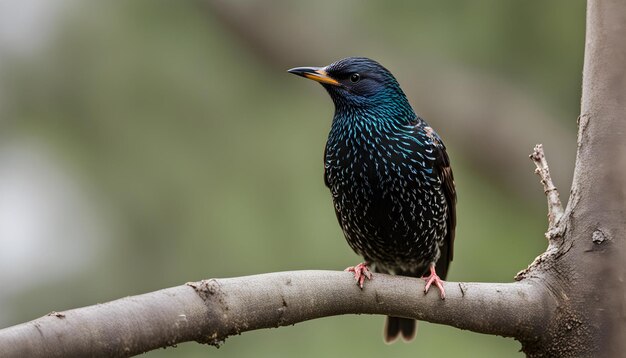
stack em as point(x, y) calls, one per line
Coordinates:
point(397, 326)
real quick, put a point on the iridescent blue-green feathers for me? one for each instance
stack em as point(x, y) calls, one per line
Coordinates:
point(390, 178)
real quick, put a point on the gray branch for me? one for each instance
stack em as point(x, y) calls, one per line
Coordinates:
point(211, 310)
point(555, 213)
point(555, 208)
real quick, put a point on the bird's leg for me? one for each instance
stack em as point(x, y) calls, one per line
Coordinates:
point(433, 278)
point(361, 271)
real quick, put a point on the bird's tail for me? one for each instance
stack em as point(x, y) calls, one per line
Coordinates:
point(397, 326)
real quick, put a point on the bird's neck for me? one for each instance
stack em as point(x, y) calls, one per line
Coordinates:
point(355, 122)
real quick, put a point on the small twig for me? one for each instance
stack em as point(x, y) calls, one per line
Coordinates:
point(555, 208)
point(555, 211)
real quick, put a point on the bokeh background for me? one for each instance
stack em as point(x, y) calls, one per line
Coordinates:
point(144, 144)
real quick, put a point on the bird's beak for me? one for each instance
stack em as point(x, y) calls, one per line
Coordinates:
point(318, 74)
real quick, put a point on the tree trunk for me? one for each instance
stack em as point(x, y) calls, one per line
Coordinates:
point(585, 271)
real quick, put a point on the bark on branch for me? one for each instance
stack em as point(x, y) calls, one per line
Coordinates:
point(211, 310)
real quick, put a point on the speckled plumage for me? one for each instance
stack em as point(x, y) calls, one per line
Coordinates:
point(388, 172)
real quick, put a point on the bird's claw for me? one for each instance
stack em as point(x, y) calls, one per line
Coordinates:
point(433, 278)
point(361, 272)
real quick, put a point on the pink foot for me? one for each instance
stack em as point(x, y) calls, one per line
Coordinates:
point(433, 278)
point(360, 273)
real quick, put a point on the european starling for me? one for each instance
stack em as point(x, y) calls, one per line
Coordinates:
point(390, 178)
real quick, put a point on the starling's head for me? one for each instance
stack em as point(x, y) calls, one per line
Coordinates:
point(357, 82)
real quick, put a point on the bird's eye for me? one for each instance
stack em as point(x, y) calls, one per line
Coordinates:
point(355, 78)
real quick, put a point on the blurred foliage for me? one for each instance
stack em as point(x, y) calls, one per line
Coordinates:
point(206, 162)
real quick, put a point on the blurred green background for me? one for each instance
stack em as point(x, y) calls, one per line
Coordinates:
point(145, 144)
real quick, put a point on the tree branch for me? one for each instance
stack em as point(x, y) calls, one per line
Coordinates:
point(555, 213)
point(555, 208)
point(211, 310)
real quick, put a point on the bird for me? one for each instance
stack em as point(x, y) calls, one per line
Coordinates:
point(390, 178)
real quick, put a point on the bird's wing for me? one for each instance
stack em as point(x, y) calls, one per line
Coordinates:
point(442, 163)
point(449, 190)
point(444, 172)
